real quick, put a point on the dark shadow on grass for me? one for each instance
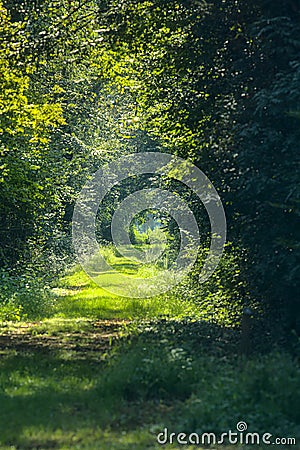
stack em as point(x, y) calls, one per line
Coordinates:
point(191, 368)
point(50, 402)
point(126, 267)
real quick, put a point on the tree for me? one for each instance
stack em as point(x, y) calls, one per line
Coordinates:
point(218, 82)
point(25, 124)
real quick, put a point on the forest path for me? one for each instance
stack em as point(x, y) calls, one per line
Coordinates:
point(80, 338)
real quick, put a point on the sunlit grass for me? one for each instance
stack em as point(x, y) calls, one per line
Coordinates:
point(74, 384)
point(79, 296)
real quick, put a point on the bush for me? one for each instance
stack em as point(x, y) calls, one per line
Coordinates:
point(24, 296)
point(211, 388)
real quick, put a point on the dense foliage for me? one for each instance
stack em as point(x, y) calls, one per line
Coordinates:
point(216, 82)
point(219, 83)
point(83, 82)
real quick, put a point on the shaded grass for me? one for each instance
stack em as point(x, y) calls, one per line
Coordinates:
point(94, 375)
point(53, 398)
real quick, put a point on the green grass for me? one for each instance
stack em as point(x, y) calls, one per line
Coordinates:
point(69, 398)
point(108, 372)
point(79, 296)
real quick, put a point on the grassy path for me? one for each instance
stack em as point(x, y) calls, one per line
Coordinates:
point(80, 338)
point(54, 392)
point(94, 375)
